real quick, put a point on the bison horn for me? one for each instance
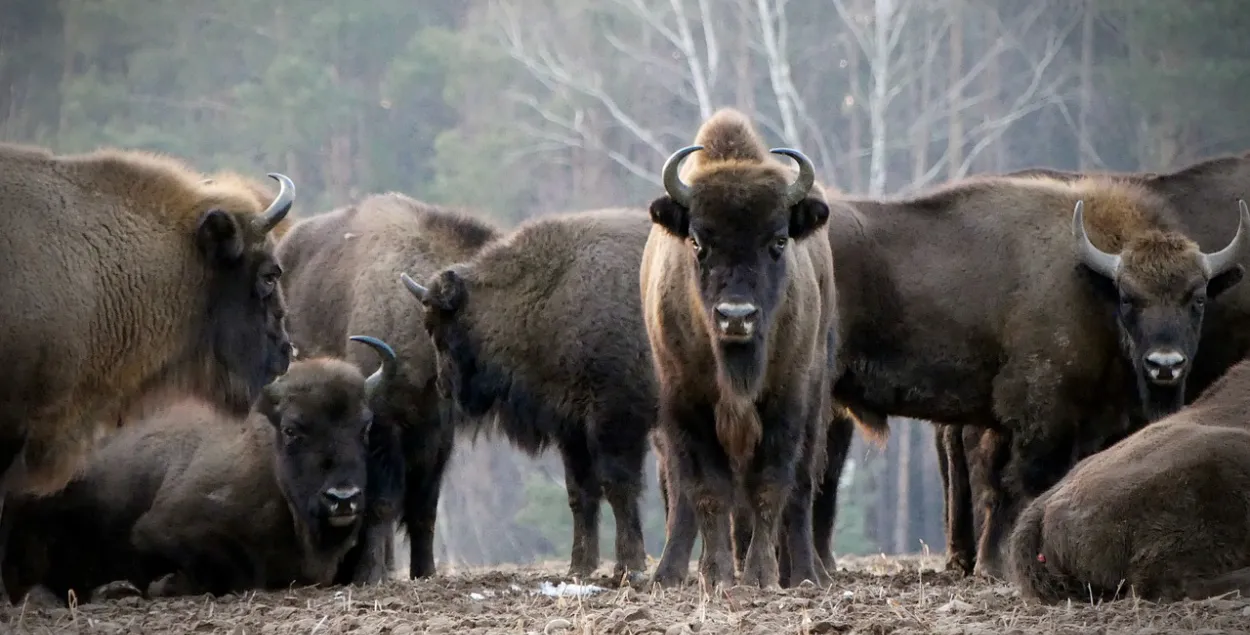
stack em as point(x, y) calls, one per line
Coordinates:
point(807, 176)
point(678, 191)
point(280, 205)
point(1226, 258)
point(422, 294)
point(384, 372)
point(1093, 257)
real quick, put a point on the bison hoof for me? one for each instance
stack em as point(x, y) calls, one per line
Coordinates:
point(630, 577)
point(668, 578)
point(959, 563)
point(115, 591)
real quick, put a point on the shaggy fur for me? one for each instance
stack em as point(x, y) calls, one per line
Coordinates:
point(220, 504)
point(543, 328)
point(1164, 514)
point(739, 417)
point(1202, 196)
point(343, 277)
point(1046, 352)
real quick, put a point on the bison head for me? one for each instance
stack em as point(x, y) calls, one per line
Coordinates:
point(1160, 283)
point(459, 378)
point(739, 219)
point(321, 416)
point(244, 330)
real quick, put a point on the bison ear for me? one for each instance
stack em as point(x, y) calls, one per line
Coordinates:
point(1225, 281)
point(807, 216)
point(672, 216)
point(220, 238)
point(448, 292)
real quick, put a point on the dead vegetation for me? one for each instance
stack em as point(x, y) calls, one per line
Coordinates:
point(873, 595)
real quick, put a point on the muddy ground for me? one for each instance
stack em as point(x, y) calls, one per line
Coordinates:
point(872, 595)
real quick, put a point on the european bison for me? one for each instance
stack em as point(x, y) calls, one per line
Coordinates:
point(209, 503)
point(738, 302)
point(1164, 514)
point(1200, 194)
point(342, 277)
point(543, 328)
point(122, 275)
point(1018, 319)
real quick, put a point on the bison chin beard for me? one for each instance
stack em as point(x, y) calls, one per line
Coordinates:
point(1158, 401)
point(741, 367)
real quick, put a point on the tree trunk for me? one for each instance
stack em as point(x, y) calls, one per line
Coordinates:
point(954, 73)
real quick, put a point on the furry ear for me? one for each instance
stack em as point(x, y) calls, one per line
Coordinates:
point(1225, 281)
point(219, 237)
point(672, 216)
point(807, 216)
point(267, 402)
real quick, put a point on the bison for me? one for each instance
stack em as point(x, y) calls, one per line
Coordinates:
point(342, 269)
point(124, 275)
point(739, 305)
point(1057, 312)
point(543, 328)
point(1200, 194)
point(1163, 514)
point(191, 501)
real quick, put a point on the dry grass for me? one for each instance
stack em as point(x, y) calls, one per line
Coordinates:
point(873, 595)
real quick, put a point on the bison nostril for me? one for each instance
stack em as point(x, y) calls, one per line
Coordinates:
point(1165, 360)
point(736, 310)
point(341, 495)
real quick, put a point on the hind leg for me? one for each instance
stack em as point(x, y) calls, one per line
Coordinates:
point(961, 542)
point(10, 447)
point(585, 495)
point(1203, 588)
point(621, 476)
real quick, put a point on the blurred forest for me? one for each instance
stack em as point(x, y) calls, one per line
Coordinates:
point(524, 107)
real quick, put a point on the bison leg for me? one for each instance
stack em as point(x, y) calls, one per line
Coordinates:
point(585, 497)
point(1203, 588)
point(1001, 500)
point(740, 525)
point(960, 539)
point(371, 560)
point(621, 477)
point(825, 503)
point(680, 525)
point(424, 482)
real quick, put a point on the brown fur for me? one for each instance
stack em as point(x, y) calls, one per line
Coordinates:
point(544, 328)
point(262, 192)
point(736, 189)
point(105, 297)
point(342, 277)
point(1003, 329)
point(1164, 514)
point(190, 491)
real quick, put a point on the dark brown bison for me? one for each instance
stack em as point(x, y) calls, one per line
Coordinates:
point(1164, 514)
point(738, 302)
point(123, 275)
point(203, 502)
point(1201, 195)
point(342, 272)
point(1018, 319)
point(543, 328)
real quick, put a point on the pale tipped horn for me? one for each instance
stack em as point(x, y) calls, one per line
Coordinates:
point(281, 204)
point(1226, 258)
point(807, 176)
point(677, 190)
point(386, 371)
point(421, 293)
point(1093, 257)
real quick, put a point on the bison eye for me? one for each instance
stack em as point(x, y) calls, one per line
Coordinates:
point(290, 432)
point(694, 244)
point(1199, 300)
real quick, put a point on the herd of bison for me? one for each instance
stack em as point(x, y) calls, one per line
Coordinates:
point(206, 393)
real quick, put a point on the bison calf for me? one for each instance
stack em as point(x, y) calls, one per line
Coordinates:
point(1164, 514)
point(211, 503)
point(738, 301)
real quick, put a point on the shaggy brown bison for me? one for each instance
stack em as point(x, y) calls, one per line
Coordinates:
point(1164, 514)
point(123, 275)
point(1201, 195)
point(196, 501)
point(543, 328)
point(738, 302)
point(1059, 312)
point(341, 277)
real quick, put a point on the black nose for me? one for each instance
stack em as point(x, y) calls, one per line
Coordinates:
point(736, 310)
point(342, 499)
point(1165, 364)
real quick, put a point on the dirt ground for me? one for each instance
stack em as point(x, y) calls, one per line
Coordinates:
point(872, 595)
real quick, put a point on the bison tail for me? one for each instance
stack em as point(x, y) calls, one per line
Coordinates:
point(1037, 574)
point(875, 428)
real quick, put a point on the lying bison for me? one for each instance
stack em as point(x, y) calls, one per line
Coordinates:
point(1058, 312)
point(341, 277)
point(1201, 195)
point(738, 301)
point(1164, 514)
point(124, 275)
point(543, 328)
point(191, 501)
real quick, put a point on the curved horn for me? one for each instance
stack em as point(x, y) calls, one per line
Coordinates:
point(384, 372)
point(678, 191)
point(422, 294)
point(1226, 258)
point(280, 205)
point(1093, 257)
point(807, 176)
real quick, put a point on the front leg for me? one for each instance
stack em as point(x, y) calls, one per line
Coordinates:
point(585, 497)
point(825, 501)
point(960, 539)
point(770, 484)
point(370, 561)
point(681, 525)
point(426, 466)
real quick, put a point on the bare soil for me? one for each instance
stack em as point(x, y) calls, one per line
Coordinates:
point(871, 595)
